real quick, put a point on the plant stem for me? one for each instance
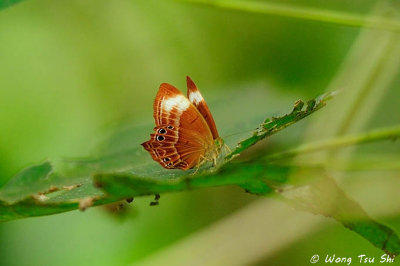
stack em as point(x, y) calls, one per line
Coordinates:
point(376, 135)
point(308, 13)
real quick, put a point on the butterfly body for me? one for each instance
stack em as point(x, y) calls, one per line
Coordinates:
point(185, 135)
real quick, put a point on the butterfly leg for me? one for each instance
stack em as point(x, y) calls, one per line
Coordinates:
point(214, 160)
point(197, 169)
point(200, 163)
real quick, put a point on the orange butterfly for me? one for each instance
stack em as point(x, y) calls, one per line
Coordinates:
point(185, 135)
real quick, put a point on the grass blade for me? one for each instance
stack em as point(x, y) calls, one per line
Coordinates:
point(313, 14)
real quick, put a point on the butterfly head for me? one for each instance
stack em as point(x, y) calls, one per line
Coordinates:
point(219, 143)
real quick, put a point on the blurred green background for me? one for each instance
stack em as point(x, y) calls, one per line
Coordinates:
point(72, 70)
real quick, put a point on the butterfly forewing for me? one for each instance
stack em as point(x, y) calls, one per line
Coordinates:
point(198, 101)
point(168, 105)
point(181, 136)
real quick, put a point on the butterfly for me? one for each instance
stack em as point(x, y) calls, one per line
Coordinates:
point(185, 135)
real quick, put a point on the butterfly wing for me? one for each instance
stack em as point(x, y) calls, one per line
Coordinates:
point(198, 101)
point(181, 137)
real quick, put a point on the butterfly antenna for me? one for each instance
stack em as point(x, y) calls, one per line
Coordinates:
point(238, 133)
point(227, 149)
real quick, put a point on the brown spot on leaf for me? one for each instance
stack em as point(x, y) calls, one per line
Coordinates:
point(86, 203)
point(53, 188)
point(40, 197)
point(71, 187)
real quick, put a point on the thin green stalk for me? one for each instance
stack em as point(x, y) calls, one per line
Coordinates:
point(308, 13)
point(378, 163)
point(376, 135)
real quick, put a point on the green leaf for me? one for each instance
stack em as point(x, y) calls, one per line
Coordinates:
point(274, 125)
point(29, 181)
point(124, 185)
point(31, 208)
point(321, 195)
